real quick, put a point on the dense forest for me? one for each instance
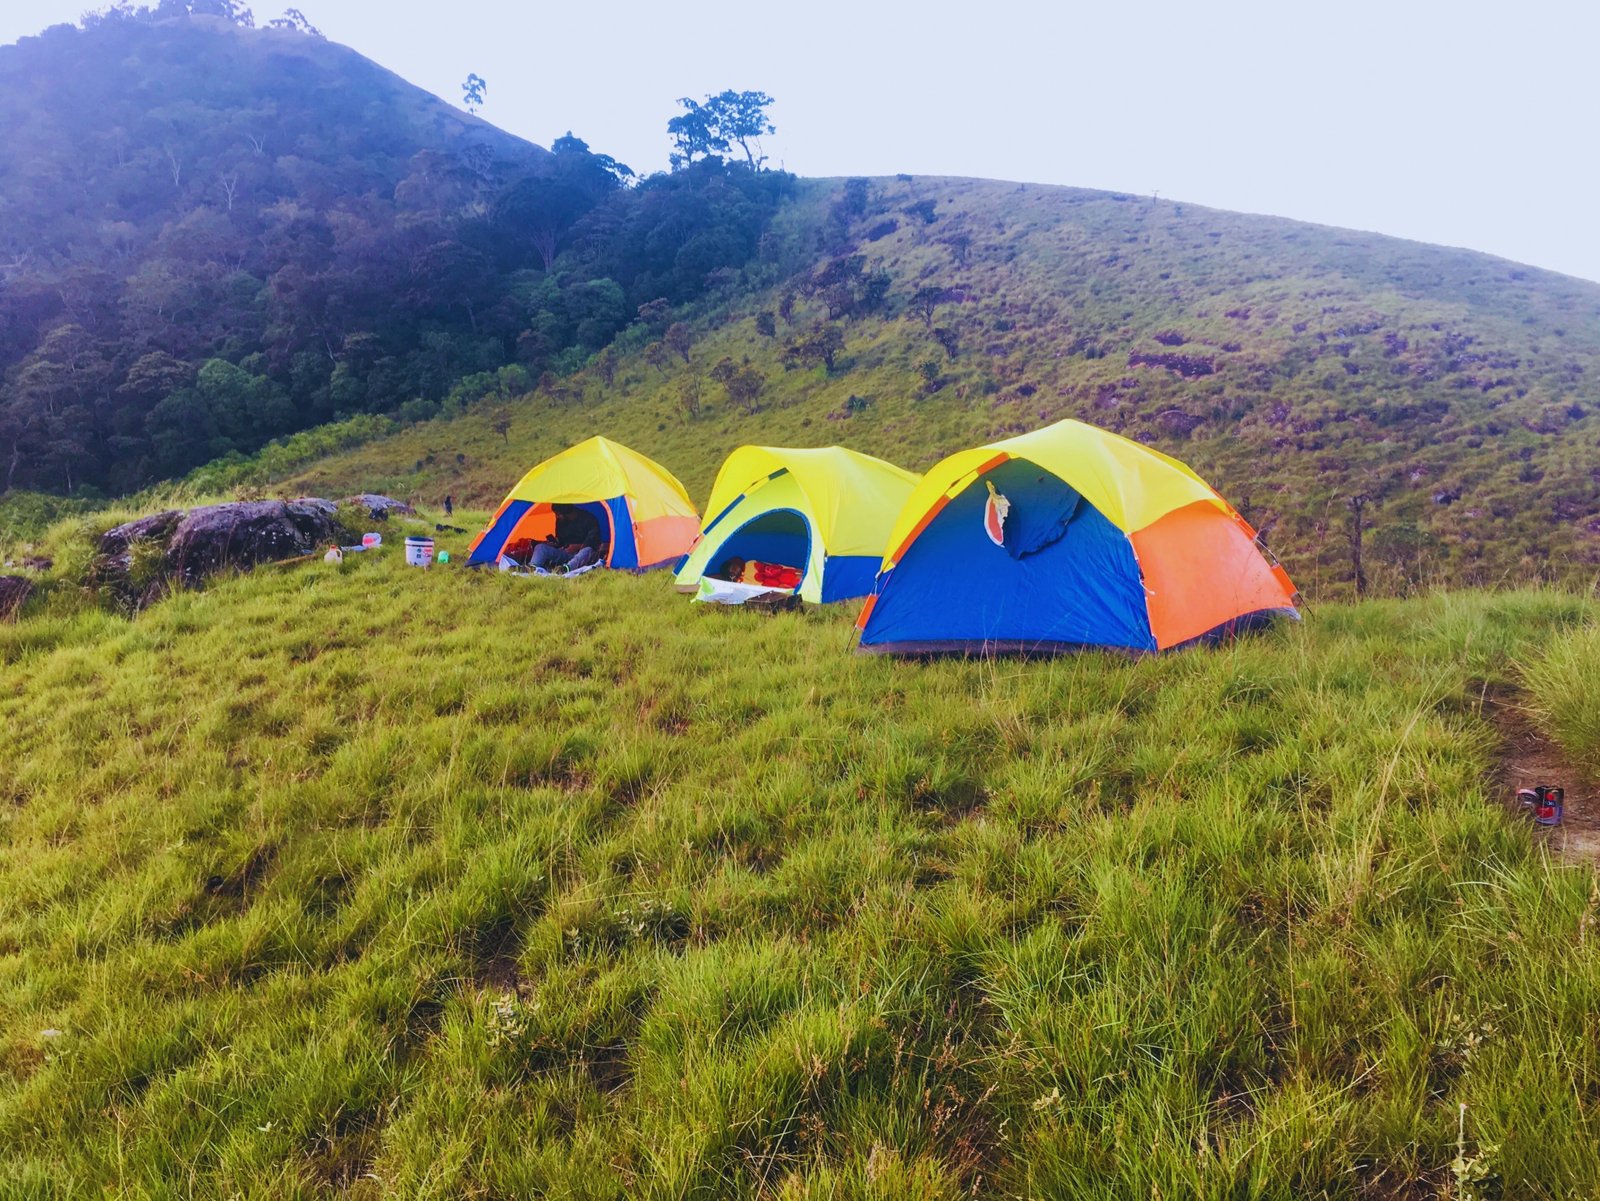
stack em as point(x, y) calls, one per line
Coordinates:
point(212, 235)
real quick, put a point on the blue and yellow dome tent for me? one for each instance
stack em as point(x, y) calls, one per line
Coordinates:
point(1066, 537)
point(642, 509)
point(826, 511)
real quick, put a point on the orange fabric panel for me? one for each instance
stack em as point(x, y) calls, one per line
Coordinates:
point(866, 611)
point(484, 532)
point(537, 524)
point(1201, 568)
point(663, 538)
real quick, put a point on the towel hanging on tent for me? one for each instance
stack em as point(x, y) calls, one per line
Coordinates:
point(994, 515)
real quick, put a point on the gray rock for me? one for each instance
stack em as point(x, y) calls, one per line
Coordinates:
point(243, 534)
point(158, 525)
point(325, 507)
point(1178, 423)
point(197, 543)
point(381, 507)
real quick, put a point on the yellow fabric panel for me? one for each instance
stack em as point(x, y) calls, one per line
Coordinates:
point(601, 469)
point(1131, 484)
point(851, 498)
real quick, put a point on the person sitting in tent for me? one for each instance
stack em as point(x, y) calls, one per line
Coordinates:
point(550, 555)
point(768, 575)
point(592, 551)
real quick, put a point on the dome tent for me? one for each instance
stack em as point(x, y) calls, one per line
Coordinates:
point(1066, 537)
point(826, 511)
point(639, 506)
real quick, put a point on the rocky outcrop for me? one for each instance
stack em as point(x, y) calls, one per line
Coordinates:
point(1189, 366)
point(14, 593)
point(186, 546)
point(115, 542)
point(1178, 423)
point(211, 539)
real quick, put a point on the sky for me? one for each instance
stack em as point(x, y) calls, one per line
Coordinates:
point(1464, 123)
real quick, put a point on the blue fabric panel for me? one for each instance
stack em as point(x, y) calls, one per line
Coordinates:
point(954, 585)
point(777, 547)
point(489, 549)
point(1039, 514)
point(618, 526)
point(845, 577)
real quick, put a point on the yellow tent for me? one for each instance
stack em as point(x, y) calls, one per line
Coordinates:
point(825, 511)
point(643, 511)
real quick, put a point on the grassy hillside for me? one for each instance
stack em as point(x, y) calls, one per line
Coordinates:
point(389, 883)
point(1296, 366)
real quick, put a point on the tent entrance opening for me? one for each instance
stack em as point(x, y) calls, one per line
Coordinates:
point(781, 538)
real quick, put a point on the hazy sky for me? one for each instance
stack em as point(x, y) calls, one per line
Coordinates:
point(1466, 123)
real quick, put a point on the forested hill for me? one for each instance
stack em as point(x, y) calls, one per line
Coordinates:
point(1445, 403)
point(213, 234)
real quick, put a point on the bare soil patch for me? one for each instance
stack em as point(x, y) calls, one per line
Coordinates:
point(1529, 756)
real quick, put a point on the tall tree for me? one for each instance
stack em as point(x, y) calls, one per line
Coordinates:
point(821, 345)
point(713, 128)
point(1357, 505)
point(678, 339)
point(926, 301)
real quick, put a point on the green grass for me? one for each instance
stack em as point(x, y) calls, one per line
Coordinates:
point(434, 884)
point(26, 516)
point(1563, 688)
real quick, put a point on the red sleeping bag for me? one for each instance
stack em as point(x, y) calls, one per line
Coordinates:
point(771, 575)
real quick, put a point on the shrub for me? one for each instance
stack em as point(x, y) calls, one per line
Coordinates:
point(350, 521)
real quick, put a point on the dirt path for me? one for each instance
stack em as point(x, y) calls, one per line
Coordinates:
point(1528, 756)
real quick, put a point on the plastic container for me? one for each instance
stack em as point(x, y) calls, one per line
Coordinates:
point(444, 556)
point(419, 552)
point(369, 541)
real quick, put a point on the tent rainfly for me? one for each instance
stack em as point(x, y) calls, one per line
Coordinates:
point(826, 512)
point(639, 506)
point(1066, 537)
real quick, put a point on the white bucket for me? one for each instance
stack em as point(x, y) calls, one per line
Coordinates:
point(419, 552)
